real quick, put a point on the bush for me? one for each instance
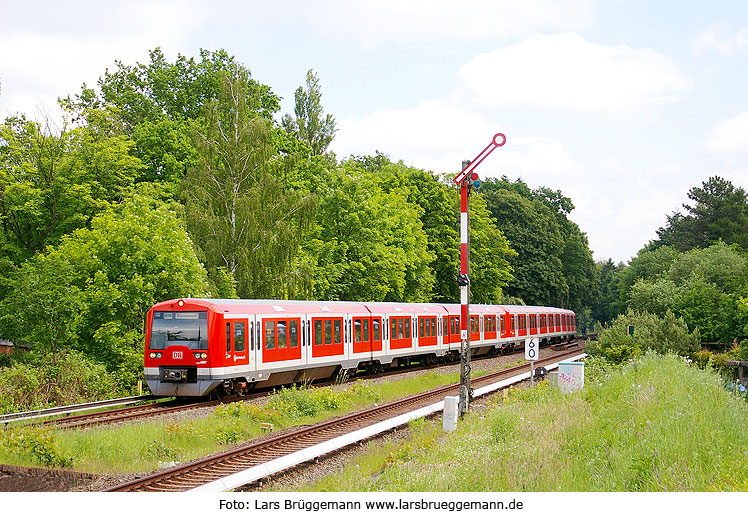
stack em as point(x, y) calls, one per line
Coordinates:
point(651, 332)
point(42, 383)
point(37, 444)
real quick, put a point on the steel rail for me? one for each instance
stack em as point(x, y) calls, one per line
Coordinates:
point(67, 409)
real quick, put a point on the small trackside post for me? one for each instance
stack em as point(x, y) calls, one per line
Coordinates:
point(468, 180)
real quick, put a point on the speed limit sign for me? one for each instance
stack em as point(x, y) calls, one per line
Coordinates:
point(531, 348)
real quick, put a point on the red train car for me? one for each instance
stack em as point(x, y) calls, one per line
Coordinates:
point(198, 346)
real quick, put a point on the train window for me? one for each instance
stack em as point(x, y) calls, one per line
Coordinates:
point(258, 335)
point(366, 330)
point(328, 331)
point(282, 337)
point(357, 330)
point(184, 328)
point(337, 324)
point(433, 326)
point(252, 336)
point(375, 331)
point(228, 337)
point(393, 331)
point(269, 335)
point(318, 332)
point(420, 326)
point(293, 334)
point(407, 328)
point(240, 338)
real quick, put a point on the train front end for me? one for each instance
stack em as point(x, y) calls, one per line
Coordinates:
point(177, 358)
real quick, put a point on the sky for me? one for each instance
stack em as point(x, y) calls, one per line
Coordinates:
point(622, 105)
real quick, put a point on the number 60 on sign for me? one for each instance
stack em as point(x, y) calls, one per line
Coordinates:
point(531, 348)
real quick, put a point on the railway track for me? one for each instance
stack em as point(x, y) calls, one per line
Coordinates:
point(75, 408)
point(211, 468)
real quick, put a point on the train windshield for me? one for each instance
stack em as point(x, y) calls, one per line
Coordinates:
point(183, 328)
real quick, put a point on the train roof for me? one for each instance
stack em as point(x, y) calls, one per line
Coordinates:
point(271, 306)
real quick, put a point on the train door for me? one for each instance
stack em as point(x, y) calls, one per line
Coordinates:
point(489, 327)
point(522, 325)
point(506, 325)
point(533, 324)
point(400, 332)
point(376, 333)
point(237, 355)
point(474, 328)
point(367, 335)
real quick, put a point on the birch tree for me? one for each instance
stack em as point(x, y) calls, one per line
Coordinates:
point(238, 210)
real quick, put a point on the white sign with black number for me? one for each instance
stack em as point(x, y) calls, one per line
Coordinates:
point(531, 348)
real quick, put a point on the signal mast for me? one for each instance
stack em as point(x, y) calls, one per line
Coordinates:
point(468, 180)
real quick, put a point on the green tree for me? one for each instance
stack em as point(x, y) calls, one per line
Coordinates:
point(161, 102)
point(661, 334)
point(533, 232)
point(703, 286)
point(367, 243)
point(311, 125)
point(605, 304)
point(238, 210)
point(92, 291)
point(54, 181)
point(719, 212)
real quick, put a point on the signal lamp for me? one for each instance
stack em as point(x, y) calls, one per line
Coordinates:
point(476, 183)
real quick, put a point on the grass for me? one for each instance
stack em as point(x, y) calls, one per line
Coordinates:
point(147, 445)
point(658, 424)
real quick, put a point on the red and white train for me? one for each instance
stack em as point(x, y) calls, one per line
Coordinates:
point(196, 346)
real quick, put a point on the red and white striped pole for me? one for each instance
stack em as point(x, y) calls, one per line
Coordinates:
point(466, 180)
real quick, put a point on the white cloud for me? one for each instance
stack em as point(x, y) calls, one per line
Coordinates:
point(429, 128)
point(374, 22)
point(565, 72)
point(717, 37)
point(729, 136)
point(40, 63)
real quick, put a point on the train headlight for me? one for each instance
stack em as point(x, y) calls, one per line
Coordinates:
point(152, 355)
point(204, 355)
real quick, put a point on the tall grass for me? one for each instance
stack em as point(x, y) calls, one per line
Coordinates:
point(657, 424)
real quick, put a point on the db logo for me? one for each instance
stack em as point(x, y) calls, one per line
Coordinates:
point(176, 355)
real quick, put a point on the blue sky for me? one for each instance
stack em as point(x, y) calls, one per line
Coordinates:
point(623, 105)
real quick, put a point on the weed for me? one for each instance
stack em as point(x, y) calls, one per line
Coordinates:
point(36, 443)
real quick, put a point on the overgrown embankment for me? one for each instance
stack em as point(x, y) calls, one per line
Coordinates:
point(656, 424)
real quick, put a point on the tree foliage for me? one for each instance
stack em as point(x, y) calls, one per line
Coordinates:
point(662, 334)
point(368, 242)
point(704, 286)
point(311, 125)
point(719, 212)
point(238, 210)
point(92, 291)
point(554, 264)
